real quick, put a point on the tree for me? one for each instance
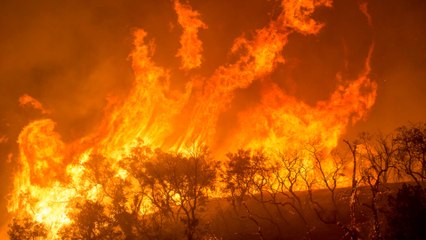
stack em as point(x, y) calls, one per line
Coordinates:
point(243, 169)
point(351, 229)
point(26, 229)
point(411, 151)
point(406, 218)
point(247, 176)
point(329, 171)
point(377, 157)
point(180, 185)
point(132, 199)
point(91, 222)
point(287, 175)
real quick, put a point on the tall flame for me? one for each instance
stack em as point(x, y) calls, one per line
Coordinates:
point(50, 172)
point(149, 110)
point(191, 47)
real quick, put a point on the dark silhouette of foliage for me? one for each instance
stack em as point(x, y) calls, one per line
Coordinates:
point(244, 170)
point(406, 218)
point(411, 147)
point(180, 185)
point(91, 222)
point(26, 229)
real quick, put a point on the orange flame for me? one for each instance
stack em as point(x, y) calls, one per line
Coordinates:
point(149, 110)
point(297, 15)
point(27, 100)
point(191, 47)
point(284, 122)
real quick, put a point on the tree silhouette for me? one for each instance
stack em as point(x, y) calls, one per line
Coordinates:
point(25, 228)
point(180, 185)
point(407, 216)
point(411, 149)
point(91, 222)
point(243, 172)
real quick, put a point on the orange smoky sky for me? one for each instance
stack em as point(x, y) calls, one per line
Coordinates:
point(70, 57)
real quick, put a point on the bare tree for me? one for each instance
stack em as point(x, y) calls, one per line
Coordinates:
point(411, 151)
point(240, 171)
point(330, 170)
point(352, 230)
point(377, 163)
point(286, 180)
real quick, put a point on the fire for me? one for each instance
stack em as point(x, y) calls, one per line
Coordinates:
point(27, 100)
point(3, 139)
point(147, 114)
point(297, 15)
point(38, 191)
point(191, 46)
point(281, 121)
point(53, 173)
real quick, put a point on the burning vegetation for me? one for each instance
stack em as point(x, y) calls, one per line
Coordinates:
point(158, 168)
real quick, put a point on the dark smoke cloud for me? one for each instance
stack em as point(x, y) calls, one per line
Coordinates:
point(70, 55)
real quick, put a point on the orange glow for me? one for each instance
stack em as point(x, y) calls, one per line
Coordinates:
point(52, 173)
point(298, 15)
point(191, 46)
point(3, 139)
point(27, 100)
